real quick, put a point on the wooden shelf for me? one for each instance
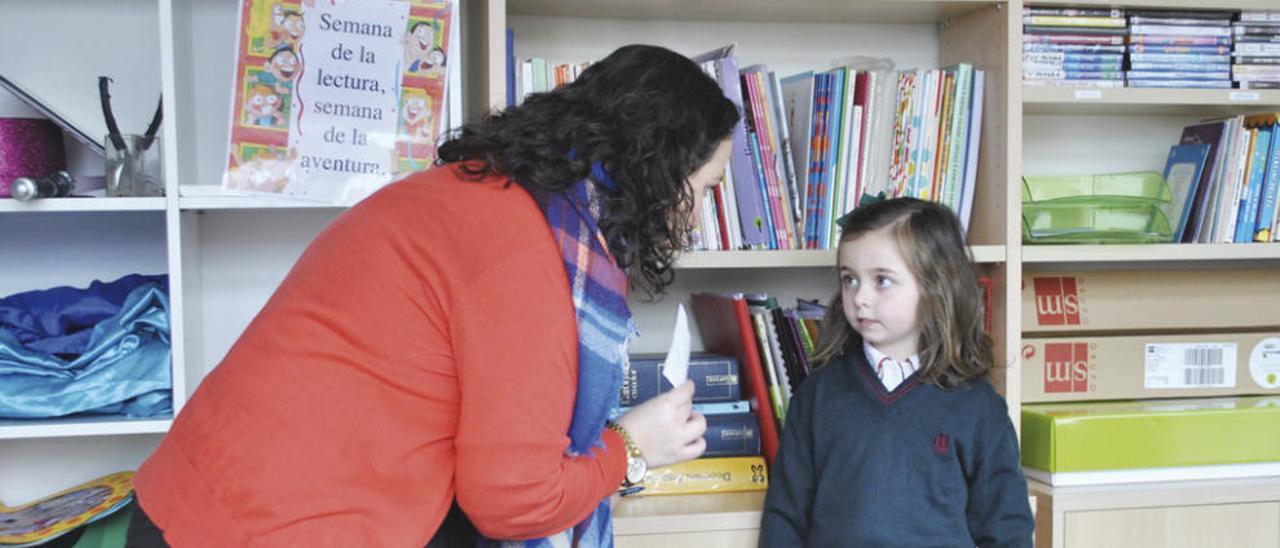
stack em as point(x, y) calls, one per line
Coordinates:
point(203, 197)
point(107, 425)
point(1206, 255)
point(1141, 101)
point(796, 11)
point(803, 258)
point(667, 514)
point(1166, 4)
point(83, 204)
point(1165, 493)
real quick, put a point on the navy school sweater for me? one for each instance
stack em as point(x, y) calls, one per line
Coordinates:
point(919, 466)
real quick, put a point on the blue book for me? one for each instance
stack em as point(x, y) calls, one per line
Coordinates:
point(762, 184)
point(1247, 215)
point(732, 435)
point(1182, 171)
point(1267, 206)
point(715, 379)
point(511, 67)
point(712, 408)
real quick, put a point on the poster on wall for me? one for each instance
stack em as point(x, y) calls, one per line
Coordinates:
point(335, 98)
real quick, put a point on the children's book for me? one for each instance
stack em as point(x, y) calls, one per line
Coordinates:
point(57, 514)
point(331, 100)
point(1211, 133)
point(1182, 172)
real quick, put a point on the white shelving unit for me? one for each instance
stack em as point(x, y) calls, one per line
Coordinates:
point(83, 204)
point(95, 426)
point(226, 254)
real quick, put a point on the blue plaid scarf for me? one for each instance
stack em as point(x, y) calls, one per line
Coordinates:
point(599, 289)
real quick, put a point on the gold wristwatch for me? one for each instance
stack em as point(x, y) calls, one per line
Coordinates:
point(637, 467)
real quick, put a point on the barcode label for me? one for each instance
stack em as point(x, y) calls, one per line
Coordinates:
point(1190, 365)
point(1203, 357)
point(1203, 376)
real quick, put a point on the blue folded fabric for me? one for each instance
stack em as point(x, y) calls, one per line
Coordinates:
point(101, 350)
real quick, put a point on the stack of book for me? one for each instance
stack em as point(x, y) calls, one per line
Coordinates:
point(1179, 49)
point(733, 460)
point(537, 75)
point(935, 137)
point(1073, 47)
point(812, 146)
point(1257, 50)
point(1231, 191)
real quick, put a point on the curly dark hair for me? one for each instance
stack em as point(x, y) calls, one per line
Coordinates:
point(649, 115)
point(953, 347)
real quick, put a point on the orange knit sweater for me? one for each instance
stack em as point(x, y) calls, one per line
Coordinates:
point(423, 347)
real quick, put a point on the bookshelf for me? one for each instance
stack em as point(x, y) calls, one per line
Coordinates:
point(1199, 255)
point(1115, 130)
point(1145, 102)
point(225, 255)
point(83, 204)
point(802, 258)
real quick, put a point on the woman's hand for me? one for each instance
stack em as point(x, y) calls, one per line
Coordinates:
point(665, 428)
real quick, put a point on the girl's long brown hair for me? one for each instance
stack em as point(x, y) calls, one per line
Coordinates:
point(953, 347)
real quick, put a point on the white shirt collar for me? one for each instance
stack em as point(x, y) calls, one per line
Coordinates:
point(890, 371)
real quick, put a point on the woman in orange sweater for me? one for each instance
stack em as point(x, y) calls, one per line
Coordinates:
point(460, 336)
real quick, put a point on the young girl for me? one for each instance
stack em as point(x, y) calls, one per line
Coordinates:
point(898, 440)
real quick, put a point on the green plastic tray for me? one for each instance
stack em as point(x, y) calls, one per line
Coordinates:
point(1138, 186)
point(1090, 223)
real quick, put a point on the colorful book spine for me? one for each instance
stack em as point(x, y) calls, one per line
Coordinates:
point(1204, 84)
point(1181, 58)
point(1137, 66)
point(1113, 68)
point(1073, 21)
point(1059, 57)
point(715, 379)
point(1051, 74)
point(1075, 83)
point(1076, 39)
point(1073, 48)
point(1184, 75)
point(1247, 217)
point(708, 475)
point(1257, 49)
point(1267, 204)
point(1177, 40)
point(1179, 30)
point(1075, 12)
point(1197, 22)
point(1171, 49)
point(1258, 16)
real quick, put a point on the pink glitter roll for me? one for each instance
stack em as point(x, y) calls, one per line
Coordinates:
point(29, 148)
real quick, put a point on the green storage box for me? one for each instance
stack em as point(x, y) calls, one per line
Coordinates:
point(1062, 443)
point(1145, 187)
point(1094, 223)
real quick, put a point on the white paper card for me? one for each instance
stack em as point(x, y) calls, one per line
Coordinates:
point(676, 366)
point(1190, 365)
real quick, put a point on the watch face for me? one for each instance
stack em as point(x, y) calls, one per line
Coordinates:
point(636, 469)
